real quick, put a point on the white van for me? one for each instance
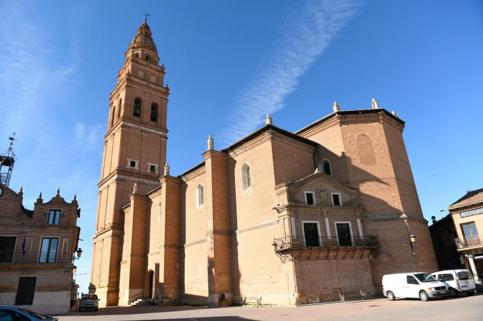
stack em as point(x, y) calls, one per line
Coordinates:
point(412, 285)
point(458, 281)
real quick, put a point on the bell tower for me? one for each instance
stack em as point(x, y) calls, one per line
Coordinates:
point(134, 153)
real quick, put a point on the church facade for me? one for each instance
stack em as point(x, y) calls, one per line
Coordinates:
point(288, 218)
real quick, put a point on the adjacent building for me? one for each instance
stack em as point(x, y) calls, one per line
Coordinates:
point(36, 251)
point(291, 217)
point(443, 233)
point(467, 214)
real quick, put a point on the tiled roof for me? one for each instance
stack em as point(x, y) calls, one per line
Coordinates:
point(470, 198)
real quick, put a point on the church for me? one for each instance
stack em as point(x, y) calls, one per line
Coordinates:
point(284, 217)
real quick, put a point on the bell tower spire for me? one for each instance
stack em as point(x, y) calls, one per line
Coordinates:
point(134, 153)
point(143, 46)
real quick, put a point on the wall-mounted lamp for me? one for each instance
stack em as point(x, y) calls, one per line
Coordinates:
point(411, 237)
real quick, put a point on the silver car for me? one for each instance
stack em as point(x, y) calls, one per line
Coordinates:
point(14, 313)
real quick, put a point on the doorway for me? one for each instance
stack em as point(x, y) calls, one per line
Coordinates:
point(344, 233)
point(311, 234)
point(25, 291)
point(150, 284)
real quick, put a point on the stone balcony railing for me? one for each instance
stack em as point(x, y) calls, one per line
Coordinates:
point(299, 242)
point(462, 244)
point(325, 248)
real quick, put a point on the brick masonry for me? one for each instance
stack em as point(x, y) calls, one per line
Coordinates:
point(212, 235)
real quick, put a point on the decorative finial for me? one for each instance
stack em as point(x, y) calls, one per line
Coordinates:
point(135, 188)
point(58, 191)
point(146, 16)
point(268, 119)
point(394, 113)
point(166, 169)
point(20, 193)
point(335, 107)
point(75, 197)
point(39, 199)
point(210, 142)
point(374, 104)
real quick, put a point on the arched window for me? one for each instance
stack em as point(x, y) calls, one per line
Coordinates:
point(199, 196)
point(154, 112)
point(324, 167)
point(138, 103)
point(113, 115)
point(246, 178)
point(119, 109)
point(148, 58)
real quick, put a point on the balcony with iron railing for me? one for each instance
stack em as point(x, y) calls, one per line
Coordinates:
point(33, 257)
point(463, 244)
point(325, 247)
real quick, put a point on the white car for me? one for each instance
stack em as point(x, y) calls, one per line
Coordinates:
point(458, 281)
point(412, 285)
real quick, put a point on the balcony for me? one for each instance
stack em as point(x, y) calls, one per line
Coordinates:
point(325, 247)
point(468, 245)
point(33, 257)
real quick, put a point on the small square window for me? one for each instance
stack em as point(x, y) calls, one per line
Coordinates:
point(152, 168)
point(309, 198)
point(336, 200)
point(132, 163)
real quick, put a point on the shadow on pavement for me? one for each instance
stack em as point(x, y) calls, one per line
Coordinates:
point(136, 310)
point(223, 318)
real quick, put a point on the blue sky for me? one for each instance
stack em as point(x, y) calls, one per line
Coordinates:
point(230, 62)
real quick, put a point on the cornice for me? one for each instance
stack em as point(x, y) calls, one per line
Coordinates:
point(122, 174)
point(263, 138)
point(125, 122)
point(193, 174)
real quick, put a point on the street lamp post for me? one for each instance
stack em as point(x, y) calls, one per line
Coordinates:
point(411, 237)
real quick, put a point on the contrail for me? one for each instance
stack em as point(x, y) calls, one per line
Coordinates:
point(307, 35)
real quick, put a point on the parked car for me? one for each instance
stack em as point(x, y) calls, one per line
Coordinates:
point(412, 285)
point(12, 312)
point(88, 302)
point(457, 281)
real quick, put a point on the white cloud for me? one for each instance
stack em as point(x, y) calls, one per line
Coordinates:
point(88, 136)
point(306, 35)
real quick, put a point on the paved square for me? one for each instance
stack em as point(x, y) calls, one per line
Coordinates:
point(464, 308)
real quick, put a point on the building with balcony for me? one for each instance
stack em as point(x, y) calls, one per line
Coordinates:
point(289, 217)
point(443, 234)
point(467, 214)
point(37, 248)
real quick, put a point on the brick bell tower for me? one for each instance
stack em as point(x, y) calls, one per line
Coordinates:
point(134, 152)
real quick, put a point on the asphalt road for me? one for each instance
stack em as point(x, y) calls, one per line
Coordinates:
point(464, 308)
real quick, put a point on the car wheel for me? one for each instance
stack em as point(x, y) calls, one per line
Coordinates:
point(423, 296)
point(391, 296)
point(452, 292)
